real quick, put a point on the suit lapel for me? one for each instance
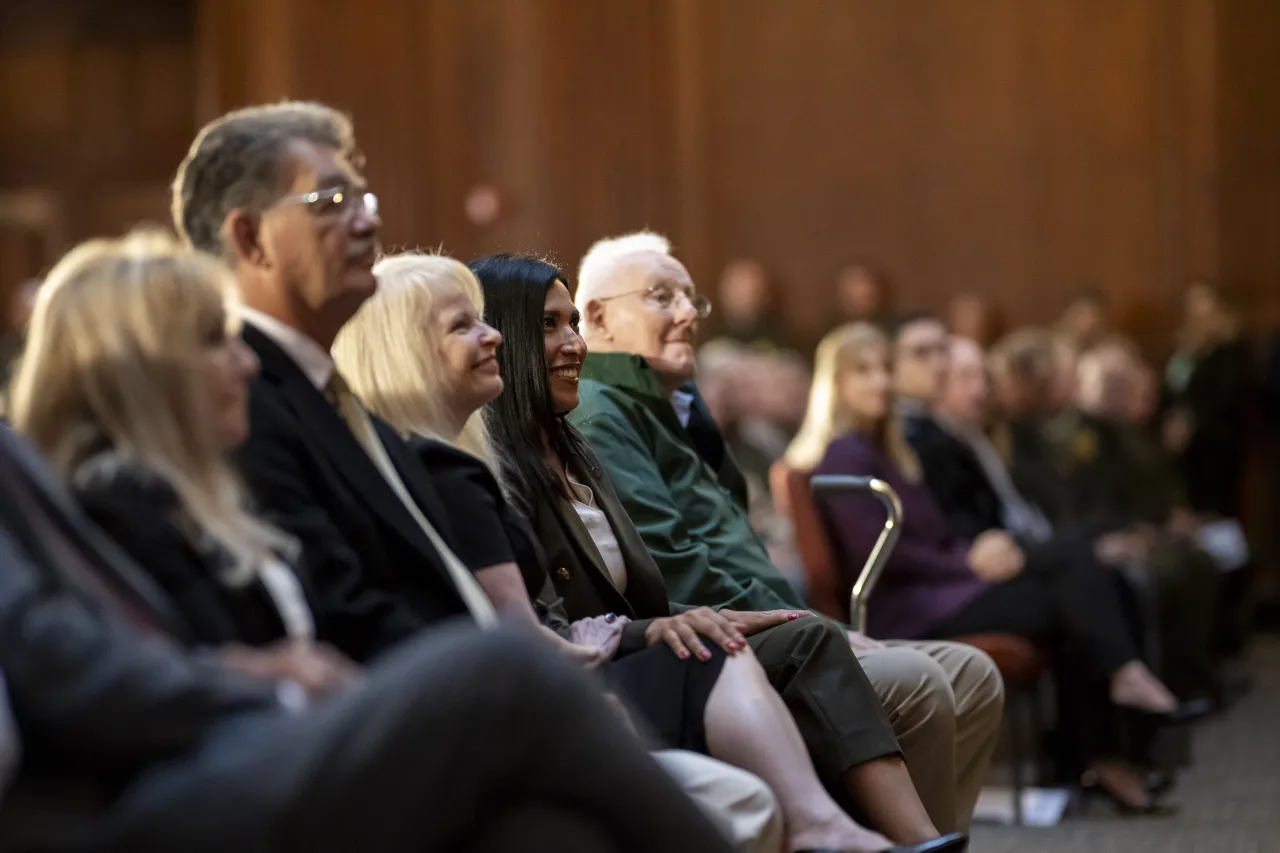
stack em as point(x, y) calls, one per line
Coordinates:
point(335, 439)
point(646, 593)
point(92, 543)
point(569, 521)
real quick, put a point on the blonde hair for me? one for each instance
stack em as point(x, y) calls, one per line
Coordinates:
point(115, 353)
point(390, 361)
point(827, 417)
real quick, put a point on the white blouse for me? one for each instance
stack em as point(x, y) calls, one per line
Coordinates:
point(601, 533)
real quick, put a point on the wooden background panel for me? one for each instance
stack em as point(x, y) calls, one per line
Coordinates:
point(1014, 152)
point(99, 106)
point(998, 146)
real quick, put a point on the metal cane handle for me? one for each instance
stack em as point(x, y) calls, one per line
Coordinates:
point(830, 484)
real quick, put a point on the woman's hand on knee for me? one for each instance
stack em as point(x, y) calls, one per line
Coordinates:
point(684, 631)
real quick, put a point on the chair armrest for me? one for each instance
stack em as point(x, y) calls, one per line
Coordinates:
point(827, 484)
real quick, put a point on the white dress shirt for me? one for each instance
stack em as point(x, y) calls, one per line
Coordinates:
point(312, 359)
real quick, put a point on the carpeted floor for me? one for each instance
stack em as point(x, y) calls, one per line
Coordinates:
point(1230, 798)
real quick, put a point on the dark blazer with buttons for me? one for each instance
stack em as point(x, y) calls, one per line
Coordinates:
point(376, 574)
point(577, 570)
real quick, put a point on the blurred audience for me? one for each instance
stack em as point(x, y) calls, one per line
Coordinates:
point(937, 584)
point(747, 309)
point(971, 316)
point(862, 293)
point(1086, 319)
point(1208, 402)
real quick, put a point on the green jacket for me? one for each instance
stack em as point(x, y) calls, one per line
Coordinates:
point(693, 525)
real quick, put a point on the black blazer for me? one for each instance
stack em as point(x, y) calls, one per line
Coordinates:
point(955, 477)
point(374, 571)
point(96, 704)
point(138, 509)
point(577, 570)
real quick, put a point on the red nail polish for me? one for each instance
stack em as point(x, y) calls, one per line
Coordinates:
point(792, 616)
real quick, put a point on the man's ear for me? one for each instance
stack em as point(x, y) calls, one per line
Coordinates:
point(594, 315)
point(240, 233)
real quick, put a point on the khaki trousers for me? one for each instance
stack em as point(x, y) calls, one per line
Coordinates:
point(945, 702)
point(740, 804)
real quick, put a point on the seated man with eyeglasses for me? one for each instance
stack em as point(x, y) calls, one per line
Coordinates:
point(641, 413)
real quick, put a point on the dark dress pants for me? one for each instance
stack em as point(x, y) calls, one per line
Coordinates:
point(1067, 601)
point(447, 736)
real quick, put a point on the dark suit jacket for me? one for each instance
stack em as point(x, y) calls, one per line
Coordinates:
point(140, 511)
point(375, 572)
point(96, 704)
point(955, 477)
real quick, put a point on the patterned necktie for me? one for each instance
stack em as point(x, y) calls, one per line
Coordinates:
point(361, 426)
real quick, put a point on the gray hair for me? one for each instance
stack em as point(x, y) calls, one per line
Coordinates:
point(235, 161)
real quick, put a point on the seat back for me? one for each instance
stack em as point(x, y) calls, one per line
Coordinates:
point(791, 495)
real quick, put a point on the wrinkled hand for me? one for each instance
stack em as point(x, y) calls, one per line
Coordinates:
point(319, 669)
point(860, 642)
point(995, 557)
point(682, 632)
point(750, 622)
point(602, 633)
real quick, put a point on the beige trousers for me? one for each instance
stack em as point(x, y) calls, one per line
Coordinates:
point(739, 803)
point(945, 702)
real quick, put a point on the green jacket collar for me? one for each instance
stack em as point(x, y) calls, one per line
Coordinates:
point(623, 370)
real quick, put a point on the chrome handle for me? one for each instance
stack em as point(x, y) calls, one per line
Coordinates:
point(826, 484)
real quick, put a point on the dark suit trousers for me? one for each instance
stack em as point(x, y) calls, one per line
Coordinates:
point(450, 739)
point(810, 664)
point(1068, 601)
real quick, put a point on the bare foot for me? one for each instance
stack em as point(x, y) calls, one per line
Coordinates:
point(1135, 686)
point(841, 835)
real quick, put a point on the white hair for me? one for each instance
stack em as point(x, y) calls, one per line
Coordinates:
point(602, 260)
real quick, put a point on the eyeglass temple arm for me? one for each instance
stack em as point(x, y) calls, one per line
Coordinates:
point(830, 484)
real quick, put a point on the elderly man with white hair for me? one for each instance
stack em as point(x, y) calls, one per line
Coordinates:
point(642, 415)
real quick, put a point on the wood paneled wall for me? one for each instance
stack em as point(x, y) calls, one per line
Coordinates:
point(1005, 147)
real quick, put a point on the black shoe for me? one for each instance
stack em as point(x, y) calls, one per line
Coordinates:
point(953, 843)
point(1185, 714)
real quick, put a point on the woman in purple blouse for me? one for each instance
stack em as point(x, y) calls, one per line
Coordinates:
point(937, 585)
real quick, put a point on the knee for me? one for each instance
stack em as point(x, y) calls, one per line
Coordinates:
point(913, 687)
point(977, 685)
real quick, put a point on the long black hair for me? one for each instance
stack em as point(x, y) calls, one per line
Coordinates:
point(522, 421)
